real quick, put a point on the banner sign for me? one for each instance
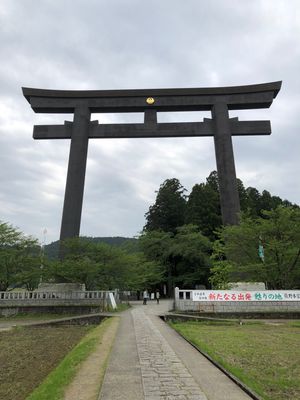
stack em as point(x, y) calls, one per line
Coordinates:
point(241, 295)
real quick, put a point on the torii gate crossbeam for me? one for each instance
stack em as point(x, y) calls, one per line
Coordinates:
point(83, 103)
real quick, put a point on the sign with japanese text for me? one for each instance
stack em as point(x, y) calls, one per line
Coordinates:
point(239, 295)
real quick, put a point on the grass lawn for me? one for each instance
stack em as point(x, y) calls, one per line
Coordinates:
point(122, 307)
point(265, 357)
point(28, 354)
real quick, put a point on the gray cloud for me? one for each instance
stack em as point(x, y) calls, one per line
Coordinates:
point(78, 44)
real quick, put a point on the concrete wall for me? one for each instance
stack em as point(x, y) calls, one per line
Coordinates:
point(6, 311)
point(37, 301)
point(184, 303)
point(236, 307)
point(53, 302)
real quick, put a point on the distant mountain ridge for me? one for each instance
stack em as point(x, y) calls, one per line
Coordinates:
point(52, 249)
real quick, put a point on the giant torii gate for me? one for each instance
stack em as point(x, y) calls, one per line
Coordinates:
point(82, 103)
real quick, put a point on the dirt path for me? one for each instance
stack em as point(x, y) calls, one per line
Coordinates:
point(87, 381)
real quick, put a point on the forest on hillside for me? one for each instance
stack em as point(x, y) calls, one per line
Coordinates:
point(51, 250)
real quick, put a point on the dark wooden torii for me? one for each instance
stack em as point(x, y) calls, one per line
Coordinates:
point(218, 100)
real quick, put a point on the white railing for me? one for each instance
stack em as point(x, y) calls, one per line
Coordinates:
point(39, 296)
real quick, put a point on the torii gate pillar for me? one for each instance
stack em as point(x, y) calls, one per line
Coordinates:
point(229, 196)
point(71, 217)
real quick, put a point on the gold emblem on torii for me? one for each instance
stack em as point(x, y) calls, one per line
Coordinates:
point(150, 100)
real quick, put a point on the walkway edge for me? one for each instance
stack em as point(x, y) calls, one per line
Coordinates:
point(87, 382)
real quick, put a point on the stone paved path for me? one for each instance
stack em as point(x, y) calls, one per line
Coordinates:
point(163, 374)
point(122, 380)
point(150, 361)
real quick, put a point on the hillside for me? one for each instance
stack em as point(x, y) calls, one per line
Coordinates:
point(51, 250)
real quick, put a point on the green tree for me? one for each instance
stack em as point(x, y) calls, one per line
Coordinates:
point(184, 256)
point(29, 269)
point(203, 206)
point(242, 195)
point(279, 234)
point(155, 246)
point(168, 211)
point(80, 270)
point(203, 209)
point(141, 273)
point(18, 254)
point(101, 266)
point(253, 202)
point(265, 202)
point(189, 254)
point(213, 181)
point(221, 270)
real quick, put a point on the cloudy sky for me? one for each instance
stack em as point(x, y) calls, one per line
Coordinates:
point(128, 44)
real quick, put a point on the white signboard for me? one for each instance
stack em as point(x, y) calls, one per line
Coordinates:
point(240, 295)
point(112, 300)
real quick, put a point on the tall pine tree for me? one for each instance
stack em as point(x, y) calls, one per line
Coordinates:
point(203, 209)
point(168, 211)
